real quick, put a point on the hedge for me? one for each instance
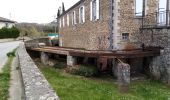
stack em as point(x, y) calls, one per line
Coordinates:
point(9, 32)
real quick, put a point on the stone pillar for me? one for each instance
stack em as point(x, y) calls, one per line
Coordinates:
point(123, 77)
point(102, 63)
point(155, 68)
point(44, 58)
point(71, 61)
point(166, 64)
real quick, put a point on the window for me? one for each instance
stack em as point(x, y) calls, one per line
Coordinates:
point(82, 14)
point(94, 10)
point(60, 23)
point(74, 18)
point(139, 8)
point(68, 21)
point(162, 15)
point(125, 36)
point(63, 22)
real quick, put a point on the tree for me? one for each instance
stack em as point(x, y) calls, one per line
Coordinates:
point(63, 8)
point(58, 13)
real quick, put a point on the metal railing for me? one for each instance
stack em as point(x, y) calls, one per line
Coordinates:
point(157, 19)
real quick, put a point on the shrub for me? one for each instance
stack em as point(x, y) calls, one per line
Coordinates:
point(9, 32)
point(11, 54)
point(83, 70)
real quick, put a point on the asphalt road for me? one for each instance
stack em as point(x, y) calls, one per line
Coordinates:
point(4, 49)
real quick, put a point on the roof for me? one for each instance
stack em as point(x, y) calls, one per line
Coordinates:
point(75, 5)
point(6, 20)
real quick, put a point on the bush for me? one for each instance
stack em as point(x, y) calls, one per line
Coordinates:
point(11, 54)
point(9, 33)
point(83, 70)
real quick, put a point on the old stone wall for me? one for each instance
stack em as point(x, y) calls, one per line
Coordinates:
point(36, 87)
point(129, 23)
point(35, 42)
point(160, 66)
point(91, 35)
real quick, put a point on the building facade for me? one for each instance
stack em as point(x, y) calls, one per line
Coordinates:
point(6, 23)
point(104, 24)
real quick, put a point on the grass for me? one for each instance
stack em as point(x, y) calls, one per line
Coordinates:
point(5, 78)
point(71, 87)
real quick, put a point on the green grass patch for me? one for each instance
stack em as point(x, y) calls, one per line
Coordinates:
point(5, 78)
point(72, 87)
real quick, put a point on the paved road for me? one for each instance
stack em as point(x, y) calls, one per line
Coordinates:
point(4, 49)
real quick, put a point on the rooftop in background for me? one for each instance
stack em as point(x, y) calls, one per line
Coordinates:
point(6, 20)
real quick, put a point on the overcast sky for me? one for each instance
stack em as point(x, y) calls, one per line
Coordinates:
point(38, 11)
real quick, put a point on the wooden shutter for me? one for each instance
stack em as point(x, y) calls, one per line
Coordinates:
point(97, 9)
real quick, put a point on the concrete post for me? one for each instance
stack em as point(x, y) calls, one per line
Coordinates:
point(71, 61)
point(44, 58)
point(123, 77)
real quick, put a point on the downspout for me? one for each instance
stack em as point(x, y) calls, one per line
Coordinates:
point(167, 13)
point(110, 25)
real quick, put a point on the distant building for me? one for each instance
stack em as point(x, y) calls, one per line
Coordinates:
point(6, 23)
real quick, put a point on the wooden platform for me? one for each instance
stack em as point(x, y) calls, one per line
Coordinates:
point(148, 52)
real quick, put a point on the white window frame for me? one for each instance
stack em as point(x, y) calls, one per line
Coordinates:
point(74, 18)
point(82, 15)
point(63, 22)
point(97, 10)
point(137, 5)
point(68, 20)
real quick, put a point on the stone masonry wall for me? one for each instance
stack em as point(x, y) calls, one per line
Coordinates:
point(89, 35)
point(160, 64)
point(35, 85)
point(129, 23)
point(35, 42)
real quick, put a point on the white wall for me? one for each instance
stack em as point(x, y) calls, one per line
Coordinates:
point(3, 24)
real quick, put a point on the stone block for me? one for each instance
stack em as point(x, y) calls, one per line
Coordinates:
point(44, 58)
point(123, 77)
point(71, 61)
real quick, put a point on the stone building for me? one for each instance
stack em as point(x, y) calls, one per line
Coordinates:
point(103, 24)
point(120, 25)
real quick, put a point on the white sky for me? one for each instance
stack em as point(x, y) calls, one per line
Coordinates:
point(38, 11)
